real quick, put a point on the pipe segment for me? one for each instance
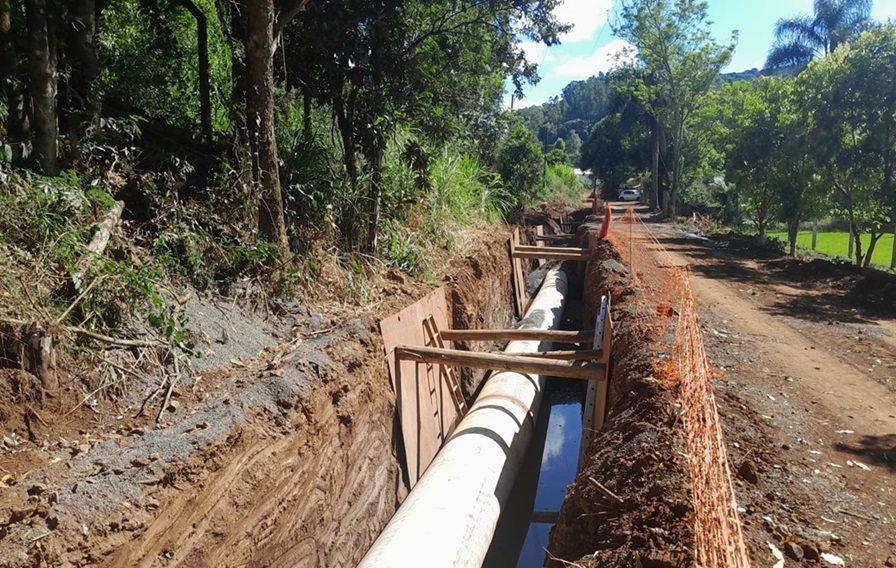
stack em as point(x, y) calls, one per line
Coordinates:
point(449, 518)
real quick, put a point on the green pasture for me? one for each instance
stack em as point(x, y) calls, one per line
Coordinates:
point(837, 244)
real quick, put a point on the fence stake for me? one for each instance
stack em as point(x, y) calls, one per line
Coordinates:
point(814, 234)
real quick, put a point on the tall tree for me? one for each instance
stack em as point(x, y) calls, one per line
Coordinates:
point(801, 39)
point(430, 65)
point(850, 98)
point(260, 120)
point(83, 63)
point(42, 79)
point(11, 86)
point(681, 60)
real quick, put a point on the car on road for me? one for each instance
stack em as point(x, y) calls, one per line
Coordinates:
point(630, 195)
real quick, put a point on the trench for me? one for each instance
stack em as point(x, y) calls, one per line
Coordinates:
point(471, 508)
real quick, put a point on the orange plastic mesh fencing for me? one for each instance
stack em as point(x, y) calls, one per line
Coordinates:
point(669, 321)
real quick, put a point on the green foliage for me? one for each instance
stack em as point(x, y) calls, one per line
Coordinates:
point(562, 185)
point(153, 60)
point(521, 166)
point(849, 103)
point(681, 61)
point(616, 150)
point(834, 22)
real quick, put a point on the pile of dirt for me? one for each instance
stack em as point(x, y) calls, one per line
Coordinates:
point(631, 499)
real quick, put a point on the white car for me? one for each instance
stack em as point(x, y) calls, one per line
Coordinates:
point(630, 195)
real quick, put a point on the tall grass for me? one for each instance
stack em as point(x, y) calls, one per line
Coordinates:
point(458, 193)
point(561, 185)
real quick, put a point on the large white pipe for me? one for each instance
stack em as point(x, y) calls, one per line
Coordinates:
point(449, 518)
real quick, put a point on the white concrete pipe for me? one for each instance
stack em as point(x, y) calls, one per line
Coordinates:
point(449, 518)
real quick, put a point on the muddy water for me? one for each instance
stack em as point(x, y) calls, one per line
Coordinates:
point(550, 465)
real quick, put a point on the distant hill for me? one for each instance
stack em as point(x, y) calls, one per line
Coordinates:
point(581, 104)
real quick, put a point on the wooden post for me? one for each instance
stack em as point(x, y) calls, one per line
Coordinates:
point(851, 245)
point(814, 234)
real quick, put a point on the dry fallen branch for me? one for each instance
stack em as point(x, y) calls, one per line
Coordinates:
point(606, 492)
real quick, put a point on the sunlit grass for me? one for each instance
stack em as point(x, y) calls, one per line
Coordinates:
point(837, 244)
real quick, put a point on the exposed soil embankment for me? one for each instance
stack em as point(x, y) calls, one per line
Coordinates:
point(638, 455)
point(281, 458)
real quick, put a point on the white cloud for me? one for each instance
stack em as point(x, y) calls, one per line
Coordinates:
point(605, 58)
point(586, 15)
point(554, 441)
point(536, 52)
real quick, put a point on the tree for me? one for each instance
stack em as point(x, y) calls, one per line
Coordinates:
point(616, 150)
point(801, 39)
point(681, 60)
point(764, 139)
point(850, 100)
point(42, 82)
point(521, 166)
point(429, 65)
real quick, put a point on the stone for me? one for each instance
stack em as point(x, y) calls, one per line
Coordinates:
point(793, 550)
point(811, 553)
point(747, 473)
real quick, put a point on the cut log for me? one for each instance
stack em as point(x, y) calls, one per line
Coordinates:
point(39, 356)
point(99, 242)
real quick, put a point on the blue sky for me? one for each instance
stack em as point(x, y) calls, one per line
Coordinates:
point(591, 46)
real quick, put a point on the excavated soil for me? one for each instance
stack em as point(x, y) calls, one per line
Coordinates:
point(806, 397)
point(638, 455)
point(279, 451)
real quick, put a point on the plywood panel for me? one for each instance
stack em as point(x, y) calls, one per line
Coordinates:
point(424, 403)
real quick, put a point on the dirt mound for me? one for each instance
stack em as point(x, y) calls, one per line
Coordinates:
point(631, 499)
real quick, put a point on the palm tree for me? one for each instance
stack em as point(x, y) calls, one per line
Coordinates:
point(799, 40)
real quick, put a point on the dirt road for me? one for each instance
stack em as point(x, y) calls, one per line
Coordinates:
point(808, 402)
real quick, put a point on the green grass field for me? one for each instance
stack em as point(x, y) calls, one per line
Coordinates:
point(837, 244)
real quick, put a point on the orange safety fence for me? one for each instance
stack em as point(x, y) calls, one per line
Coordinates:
point(669, 320)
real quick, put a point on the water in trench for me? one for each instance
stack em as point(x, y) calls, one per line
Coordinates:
point(550, 465)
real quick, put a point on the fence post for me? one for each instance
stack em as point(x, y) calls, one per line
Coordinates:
point(851, 245)
point(814, 234)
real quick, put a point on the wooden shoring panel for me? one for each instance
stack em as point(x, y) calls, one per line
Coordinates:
point(425, 406)
point(501, 362)
point(519, 276)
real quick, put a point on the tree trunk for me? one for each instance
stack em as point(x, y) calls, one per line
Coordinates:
point(42, 75)
point(793, 229)
point(654, 196)
point(81, 38)
point(307, 118)
point(13, 91)
point(872, 243)
point(205, 105)
point(350, 158)
point(260, 120)
point(376, 192)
